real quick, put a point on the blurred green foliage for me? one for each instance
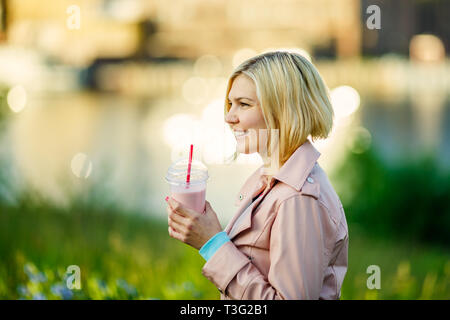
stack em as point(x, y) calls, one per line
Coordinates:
point(124, 255)
point(120, 255)
point(4, 110)
point(408, 200)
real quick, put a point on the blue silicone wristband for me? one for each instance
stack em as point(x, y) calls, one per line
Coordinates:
point(213, 244)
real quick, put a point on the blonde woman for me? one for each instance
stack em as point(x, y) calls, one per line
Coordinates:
point(289, 236)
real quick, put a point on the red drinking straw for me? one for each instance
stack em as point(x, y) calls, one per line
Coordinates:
point(188, 178)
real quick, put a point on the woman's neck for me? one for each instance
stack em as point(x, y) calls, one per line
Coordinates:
point(270, 165)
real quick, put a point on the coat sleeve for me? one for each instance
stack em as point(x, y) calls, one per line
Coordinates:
point(298, 256)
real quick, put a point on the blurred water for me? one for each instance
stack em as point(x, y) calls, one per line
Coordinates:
point(403, 130)
point(120, 141)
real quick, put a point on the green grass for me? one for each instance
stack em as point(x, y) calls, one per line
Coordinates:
point(129, 256)
point(409, 270)
point(107, 246)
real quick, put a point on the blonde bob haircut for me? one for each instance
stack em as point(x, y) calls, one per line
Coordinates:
point(293, 98)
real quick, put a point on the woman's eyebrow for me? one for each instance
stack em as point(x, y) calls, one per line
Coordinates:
point(241, 98)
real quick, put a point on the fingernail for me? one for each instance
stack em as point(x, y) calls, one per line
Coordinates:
point(167, 198)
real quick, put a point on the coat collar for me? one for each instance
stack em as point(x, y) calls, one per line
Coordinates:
point(299, 165)
point(294, 173)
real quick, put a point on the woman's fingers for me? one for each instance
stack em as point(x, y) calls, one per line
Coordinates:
point(176, 225)
point(175, 216)
point(175, 234)
point(181, 210)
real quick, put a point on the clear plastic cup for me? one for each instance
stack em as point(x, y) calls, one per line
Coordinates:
point(192, 194)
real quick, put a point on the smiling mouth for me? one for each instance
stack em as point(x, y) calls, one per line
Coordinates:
point(240, 134)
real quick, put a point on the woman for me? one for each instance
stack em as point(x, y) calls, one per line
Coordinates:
point(289, 236)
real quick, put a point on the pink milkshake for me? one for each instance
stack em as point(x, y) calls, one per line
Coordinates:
point(192, 194)
point(193, 198)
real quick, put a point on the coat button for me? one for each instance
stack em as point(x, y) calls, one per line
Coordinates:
point(240, 197)
point(310, 180)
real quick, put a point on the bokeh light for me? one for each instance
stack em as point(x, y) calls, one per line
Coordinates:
point(426, 48)
point(345, 101)
point(181, 128)
point(125, 11)
point(213, 113)
point(219, 143)
point(217, 88)
point(208, 66)
point(81, 165)
point(21, 66)
point(195, 90)
point(17, 98)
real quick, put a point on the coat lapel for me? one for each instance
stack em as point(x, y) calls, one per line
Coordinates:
point(242, 206)
point(247, 196)
point(243, 219)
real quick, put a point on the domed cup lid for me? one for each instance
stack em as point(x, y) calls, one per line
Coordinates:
point(177, 172)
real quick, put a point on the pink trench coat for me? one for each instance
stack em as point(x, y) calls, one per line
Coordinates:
point(290, 243)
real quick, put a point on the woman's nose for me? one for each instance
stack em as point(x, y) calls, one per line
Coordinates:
point(231, 117)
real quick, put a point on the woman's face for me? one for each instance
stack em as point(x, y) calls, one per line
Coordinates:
point(245, 116)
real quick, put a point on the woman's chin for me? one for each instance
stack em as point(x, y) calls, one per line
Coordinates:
point(241, 148)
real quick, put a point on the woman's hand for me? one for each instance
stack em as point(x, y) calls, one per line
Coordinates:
point(189, 226)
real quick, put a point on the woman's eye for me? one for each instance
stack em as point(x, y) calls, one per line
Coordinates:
point(242, 104)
